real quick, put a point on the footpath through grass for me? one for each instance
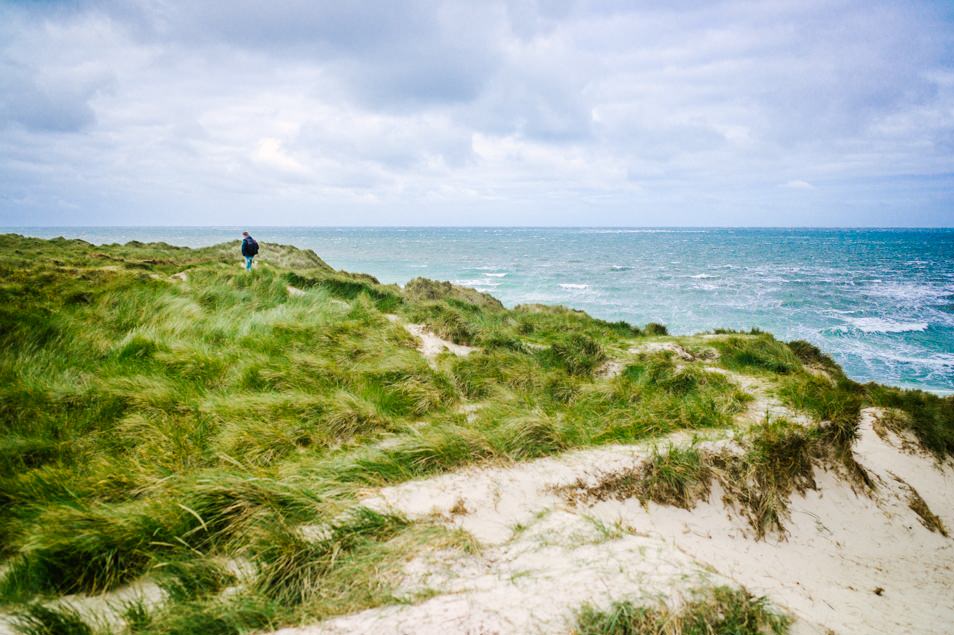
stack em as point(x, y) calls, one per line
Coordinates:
point(166, 415)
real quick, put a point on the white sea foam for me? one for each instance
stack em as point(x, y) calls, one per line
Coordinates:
point(880, 325)
point(702, 276)
point(476, 283)
point(935, 365)
point(909, 293)
point(568, 285)
point(644, 231)
point(495, 275)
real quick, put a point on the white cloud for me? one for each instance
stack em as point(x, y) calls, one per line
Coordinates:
point(799, 185)
point(503, 112)
point(271, 153)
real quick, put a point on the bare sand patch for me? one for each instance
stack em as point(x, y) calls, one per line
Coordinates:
point(656, 347)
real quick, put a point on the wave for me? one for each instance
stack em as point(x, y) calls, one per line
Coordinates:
point(570, 285)
point(644, 231)
point(702, 276)
point(620, 268)
point(879, 325)
point(479, 282)
point(495, 275)
point(910, 293)
point(935, 363)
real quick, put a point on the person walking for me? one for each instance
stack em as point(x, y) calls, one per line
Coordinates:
point(249, 249)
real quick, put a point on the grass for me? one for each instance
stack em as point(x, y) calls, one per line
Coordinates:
point(760, 352)
point(715, 611)
point(758, 478)
point(36, 619)
point(929, 418)
point(679, 477)
point(160, 407)
point(919, 506)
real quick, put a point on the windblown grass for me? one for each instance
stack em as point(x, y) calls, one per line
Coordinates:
point(773, 461)
point(161, 410)
point(761, 352)
point(920, 507)
point(716, 611)
point(679, 477)
point(929, 417)
point(37, 619)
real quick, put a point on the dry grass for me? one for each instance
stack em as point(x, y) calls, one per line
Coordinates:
point(758, 477)
point(920, 507)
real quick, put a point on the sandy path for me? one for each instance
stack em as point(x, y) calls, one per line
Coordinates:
point(764, 404)
point(432, 345)
point(542, 557)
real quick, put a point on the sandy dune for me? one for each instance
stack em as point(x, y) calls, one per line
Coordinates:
point(850, 563)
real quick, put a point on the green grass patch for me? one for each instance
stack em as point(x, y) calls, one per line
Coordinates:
point(716, 611)
point(759, 353)
point(930, 417)
point(161, 409)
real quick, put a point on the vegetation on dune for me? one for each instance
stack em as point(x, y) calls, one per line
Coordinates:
point(715, 611)
point(163, 412)
point(759, 352)
point(757, 478)
point(931, 419)
point(37, 619)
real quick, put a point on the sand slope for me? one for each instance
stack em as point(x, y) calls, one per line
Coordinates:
point(851, 563)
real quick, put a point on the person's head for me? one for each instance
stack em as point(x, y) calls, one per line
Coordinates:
point(245, 234)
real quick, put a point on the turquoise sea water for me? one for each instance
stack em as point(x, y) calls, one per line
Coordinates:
point(880, 301)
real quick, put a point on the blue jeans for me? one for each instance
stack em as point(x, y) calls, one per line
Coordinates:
point(248, 263)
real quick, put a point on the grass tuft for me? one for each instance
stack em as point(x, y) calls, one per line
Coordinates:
point(295, 568)
point(920, 507)
point(760, 353)
point(677, 477)
point(929, 416)
point(775, 461)
point(716, 611)
point(38, 619)
point(577, 354)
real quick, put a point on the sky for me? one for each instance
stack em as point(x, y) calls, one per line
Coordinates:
point(477, 112)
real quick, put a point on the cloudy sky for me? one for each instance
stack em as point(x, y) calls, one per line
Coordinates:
point(476, 112)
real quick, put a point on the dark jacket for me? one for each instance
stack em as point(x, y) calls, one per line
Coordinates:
point(247, 246)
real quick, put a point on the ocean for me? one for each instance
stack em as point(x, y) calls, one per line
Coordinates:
point(880, 301)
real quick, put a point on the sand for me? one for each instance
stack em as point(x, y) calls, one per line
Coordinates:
point(850, 563)
point(432, 345)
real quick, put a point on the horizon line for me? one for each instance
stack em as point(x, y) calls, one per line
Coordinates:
point(670, 227)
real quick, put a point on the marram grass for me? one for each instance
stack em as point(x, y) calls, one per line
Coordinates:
point(715, 611)
point(162, 411)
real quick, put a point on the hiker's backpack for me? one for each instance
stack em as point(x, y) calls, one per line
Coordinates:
point(252, 246)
